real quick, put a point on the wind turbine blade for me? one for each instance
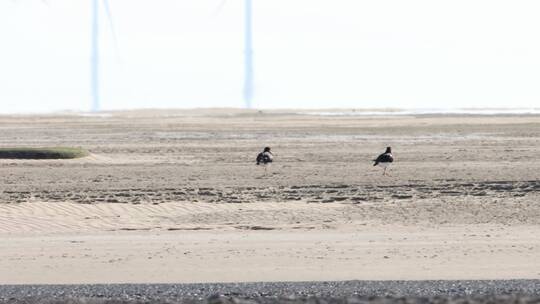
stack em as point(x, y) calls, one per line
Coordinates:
point(220, 7)
point(111, 26)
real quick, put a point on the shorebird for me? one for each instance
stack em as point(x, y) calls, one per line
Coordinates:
point(265, 158)
point(384, 160)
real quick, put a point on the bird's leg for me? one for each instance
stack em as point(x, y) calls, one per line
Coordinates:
point(384, 172)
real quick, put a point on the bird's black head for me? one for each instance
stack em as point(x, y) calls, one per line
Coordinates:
point(388, 150)
point(266, 149)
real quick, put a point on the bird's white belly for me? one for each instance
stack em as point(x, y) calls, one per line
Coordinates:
point(384, 165)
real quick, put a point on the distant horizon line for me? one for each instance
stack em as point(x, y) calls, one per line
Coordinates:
point(322, 111)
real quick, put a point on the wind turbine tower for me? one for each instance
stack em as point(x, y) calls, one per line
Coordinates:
point(94, 61)
point(248, 55)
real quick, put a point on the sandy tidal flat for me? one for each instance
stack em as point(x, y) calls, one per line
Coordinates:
point(175, 197)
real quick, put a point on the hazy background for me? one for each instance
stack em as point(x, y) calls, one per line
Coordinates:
point(308, 54)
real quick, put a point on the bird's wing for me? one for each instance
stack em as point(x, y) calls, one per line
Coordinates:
point(385, 158)
point(379, 158)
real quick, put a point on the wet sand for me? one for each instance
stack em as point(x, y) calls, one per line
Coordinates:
point(174, 196)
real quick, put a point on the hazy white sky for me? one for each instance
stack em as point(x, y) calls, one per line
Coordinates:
point(308, 53)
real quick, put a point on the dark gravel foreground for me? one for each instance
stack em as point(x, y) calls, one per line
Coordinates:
point(500, 291)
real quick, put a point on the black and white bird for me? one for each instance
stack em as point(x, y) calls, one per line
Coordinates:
point(265, 158)
point(384, 160)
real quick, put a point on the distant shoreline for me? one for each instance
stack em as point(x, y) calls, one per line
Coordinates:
point(465, 112)
point(296, 111)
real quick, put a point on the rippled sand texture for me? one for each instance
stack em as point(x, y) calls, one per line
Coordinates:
point(175, 196)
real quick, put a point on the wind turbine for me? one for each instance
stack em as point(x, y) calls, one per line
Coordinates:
point(248, 88)
point(248, 54)
point(94, 61)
